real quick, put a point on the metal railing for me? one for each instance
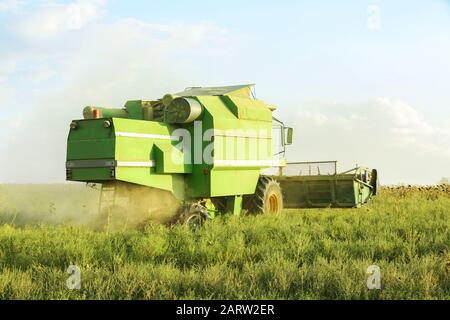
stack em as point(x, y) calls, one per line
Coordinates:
point(309, 168)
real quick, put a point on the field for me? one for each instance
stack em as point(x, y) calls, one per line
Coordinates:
point(301, 254)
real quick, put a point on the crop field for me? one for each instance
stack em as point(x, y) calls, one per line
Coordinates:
point(301, 254)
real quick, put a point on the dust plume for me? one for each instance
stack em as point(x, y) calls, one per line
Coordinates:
point(130, 206)
point(126, 205)
point(52, 204)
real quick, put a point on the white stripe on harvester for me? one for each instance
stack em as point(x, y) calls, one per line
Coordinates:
point(147, 136)
point(136, 164)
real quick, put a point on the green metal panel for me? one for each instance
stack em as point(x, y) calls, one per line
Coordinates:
point(91, 129)
point(91, 140)
point(91, 174)
point(248, 109)
point(341, 190)
point(233, 182)
point(170, 159)
point(148, 177)
point(234, 205)
point(91, 149)
point(220, 117)
point(216, 108)
point(137, 146)
point(134, 140)
point(198, 184)
point(134, 109)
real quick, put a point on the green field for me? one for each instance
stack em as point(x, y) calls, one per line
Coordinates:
point(301, 254)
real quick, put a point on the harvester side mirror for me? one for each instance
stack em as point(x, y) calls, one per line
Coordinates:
point(289, 135)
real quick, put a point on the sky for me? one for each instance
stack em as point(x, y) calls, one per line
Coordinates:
point(361, 82)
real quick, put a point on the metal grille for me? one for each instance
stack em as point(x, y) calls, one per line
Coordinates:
point(310, 168)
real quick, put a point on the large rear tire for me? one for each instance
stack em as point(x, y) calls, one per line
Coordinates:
point(267, 199)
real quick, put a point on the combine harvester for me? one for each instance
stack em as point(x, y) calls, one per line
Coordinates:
point(192, 155)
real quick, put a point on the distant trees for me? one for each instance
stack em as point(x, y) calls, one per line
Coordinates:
point(444, 181)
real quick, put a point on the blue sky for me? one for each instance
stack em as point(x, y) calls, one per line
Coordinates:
point(353, 90)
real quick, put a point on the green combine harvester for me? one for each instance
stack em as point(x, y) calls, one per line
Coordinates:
point(194, 154)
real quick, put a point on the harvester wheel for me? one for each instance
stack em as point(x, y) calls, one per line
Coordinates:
point(267, 198)
point(195, 215)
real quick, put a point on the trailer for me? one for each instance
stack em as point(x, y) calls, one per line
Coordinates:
point(319, 185)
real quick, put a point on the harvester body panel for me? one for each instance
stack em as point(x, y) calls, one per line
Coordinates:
point(124, 151)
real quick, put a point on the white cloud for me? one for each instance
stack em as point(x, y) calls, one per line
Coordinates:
point(7, 121)
point(8, 5)
point(385, 133)
point(6, 96)
point(403, 117)
point(317, 118)
point(105, 64)
point(52, 19)
point(7, 66)
point(13, 123)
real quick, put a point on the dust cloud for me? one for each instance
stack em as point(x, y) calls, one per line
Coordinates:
point(83, 205)
point(52, 204)
point(126, 205)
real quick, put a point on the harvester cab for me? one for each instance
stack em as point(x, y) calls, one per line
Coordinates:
point(184, 157)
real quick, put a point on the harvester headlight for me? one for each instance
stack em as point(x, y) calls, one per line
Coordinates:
point(74, 125)
point(107, 124)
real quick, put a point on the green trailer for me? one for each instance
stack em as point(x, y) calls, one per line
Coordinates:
point(306, 185)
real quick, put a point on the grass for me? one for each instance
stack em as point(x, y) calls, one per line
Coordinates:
point(301, 254)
